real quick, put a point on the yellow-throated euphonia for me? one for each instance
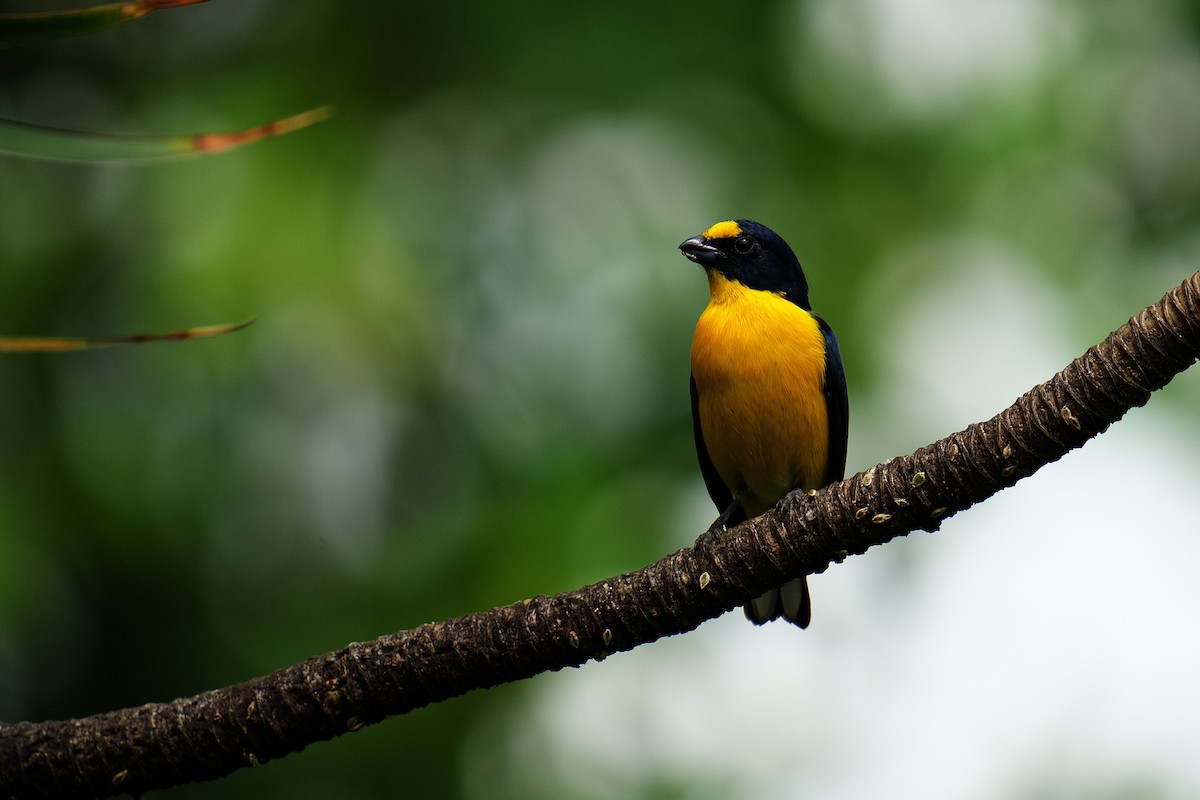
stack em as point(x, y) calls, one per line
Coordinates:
point(769, 401)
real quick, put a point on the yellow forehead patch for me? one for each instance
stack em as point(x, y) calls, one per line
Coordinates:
point(723, 230)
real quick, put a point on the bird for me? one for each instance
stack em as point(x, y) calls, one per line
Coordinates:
point(769, 404)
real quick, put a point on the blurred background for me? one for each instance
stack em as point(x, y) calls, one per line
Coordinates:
point(467, 382)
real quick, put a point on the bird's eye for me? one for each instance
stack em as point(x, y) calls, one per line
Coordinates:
point(743, 245)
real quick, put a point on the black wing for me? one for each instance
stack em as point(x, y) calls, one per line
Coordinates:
point(837, 405)
point(721, 496)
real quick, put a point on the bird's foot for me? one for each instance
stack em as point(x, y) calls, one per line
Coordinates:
point(704, 539)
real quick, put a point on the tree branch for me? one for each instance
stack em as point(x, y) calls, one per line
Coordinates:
point(214, 733)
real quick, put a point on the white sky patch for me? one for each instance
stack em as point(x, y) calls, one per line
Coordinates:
point(927, 55)
point(971, 325)
point(945, 47)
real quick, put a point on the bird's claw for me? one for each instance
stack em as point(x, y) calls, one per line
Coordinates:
point(704, 539)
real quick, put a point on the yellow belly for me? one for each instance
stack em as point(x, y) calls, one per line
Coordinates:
point(759, 365)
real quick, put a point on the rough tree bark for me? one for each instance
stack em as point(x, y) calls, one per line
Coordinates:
point(212, 734)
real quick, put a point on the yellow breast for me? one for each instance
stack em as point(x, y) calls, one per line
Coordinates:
point(759, 365)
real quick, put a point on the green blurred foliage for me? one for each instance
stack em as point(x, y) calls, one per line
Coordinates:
point(467, 382)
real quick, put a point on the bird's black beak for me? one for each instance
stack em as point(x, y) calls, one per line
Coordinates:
point(698, 250)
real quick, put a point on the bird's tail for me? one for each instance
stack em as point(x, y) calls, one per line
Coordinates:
point(790, 601)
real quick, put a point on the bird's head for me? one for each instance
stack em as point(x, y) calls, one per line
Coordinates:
point(751, 254)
